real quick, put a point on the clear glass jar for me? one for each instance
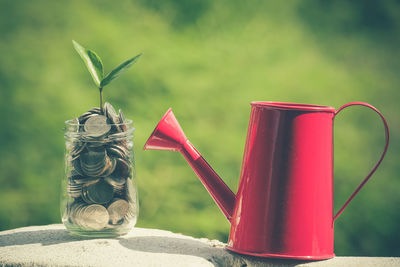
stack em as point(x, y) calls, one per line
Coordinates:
point(99, 194)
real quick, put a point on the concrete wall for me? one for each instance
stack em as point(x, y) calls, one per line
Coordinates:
point(51, 245)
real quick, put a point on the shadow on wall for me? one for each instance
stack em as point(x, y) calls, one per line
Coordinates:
point(182, 246)
point(44, 237)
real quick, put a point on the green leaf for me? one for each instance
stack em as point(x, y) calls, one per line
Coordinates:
point(92, 62)
point(119, 70)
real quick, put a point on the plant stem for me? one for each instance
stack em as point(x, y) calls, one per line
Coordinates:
point(101, 99)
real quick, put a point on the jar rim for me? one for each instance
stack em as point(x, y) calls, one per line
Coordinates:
point(71, 131)
point(74, 123)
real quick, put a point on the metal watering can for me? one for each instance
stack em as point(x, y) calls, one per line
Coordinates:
point(284, 204)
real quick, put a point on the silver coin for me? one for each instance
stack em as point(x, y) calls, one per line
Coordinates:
point(122, 169)
point(94, 217)
point(87, 115)
point(109, 111)
point(120, 190)
point(84, 117)
point(110, 166)
point(131, 195)
point(74, 210)
point(76, 166)
point(99, 192)
point(122, 125)
point(77, 148)
point(105, 107)
point(92, 142)
point(74, 189)
point(97, 126)
point(72, 173)
point(118, 151)
point(93, 162)
point(121, 116)
point(132, 211)
point(116, 225)
point(116, 181)
point(93, 158)
point(101, 170)
point(117, 210)
point(94, 172)
point(84, 180)
point(95, 110)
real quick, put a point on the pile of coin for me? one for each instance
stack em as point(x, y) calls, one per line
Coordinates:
point(99, 166)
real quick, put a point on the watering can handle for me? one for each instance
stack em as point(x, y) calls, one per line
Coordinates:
point(380, 159)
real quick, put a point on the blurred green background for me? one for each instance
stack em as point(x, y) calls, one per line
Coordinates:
point(207, 60)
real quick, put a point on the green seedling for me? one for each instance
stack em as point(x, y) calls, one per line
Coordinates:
point(95, 67)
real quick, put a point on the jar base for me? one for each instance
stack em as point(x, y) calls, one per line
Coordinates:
point(104, 233)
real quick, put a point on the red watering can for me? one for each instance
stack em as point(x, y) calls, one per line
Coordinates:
point(284, 204)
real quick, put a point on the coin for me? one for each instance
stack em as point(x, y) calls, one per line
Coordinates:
point(116, 181)
point(109, 111)
point(93, 158)
point(110, 166)
point(121, 172)
point(119, 190)
point(74, 209)
point(94, 142)
point(84, 180)
point(131, 195)
point(97, 126)
point(72, 173)
point(77, 148)
point(93, 162)
point(122, 169)
point(118, 151)
point(122, 125)
point(121, 116)
point(94, 217)
point(76, 166)
point(74, 189)
point(104, 169)
point(117, 210)
point(116, 225)
point(94, 111)
point(84, 117)
point(99, 192)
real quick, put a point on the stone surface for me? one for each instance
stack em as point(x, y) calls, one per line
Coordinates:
point(51, 245)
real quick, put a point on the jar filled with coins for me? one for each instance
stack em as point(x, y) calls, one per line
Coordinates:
point(99, 194)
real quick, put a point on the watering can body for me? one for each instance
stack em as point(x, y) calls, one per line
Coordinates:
point(284, 204)
point(284, 200)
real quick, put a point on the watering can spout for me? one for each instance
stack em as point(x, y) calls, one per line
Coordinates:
point(168, 135)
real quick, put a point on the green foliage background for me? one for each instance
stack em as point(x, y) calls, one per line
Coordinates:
point(207, 60)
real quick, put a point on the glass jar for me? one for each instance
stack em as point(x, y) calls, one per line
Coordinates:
point(99, 194)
